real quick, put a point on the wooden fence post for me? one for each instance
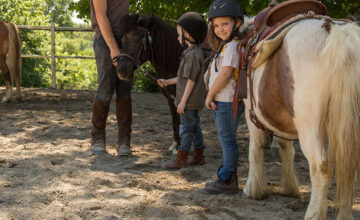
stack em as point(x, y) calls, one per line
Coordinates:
point(53, 66)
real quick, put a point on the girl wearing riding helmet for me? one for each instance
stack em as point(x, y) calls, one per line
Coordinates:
point(226, 17)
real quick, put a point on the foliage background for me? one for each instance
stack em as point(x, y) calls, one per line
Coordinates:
point(81, 74)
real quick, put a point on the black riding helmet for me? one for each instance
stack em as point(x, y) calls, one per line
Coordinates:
point(225, 8)
point(195, 24)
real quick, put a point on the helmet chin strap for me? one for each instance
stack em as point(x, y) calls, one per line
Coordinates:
point(183, 44)
point(233, 33)
point(183, 39)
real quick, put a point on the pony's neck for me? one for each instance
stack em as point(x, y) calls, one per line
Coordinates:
point(166, 49)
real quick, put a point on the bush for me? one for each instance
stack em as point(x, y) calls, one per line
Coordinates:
point(142, 83)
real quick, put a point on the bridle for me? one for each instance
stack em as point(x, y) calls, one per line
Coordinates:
point(143, 48)
point(147, 38)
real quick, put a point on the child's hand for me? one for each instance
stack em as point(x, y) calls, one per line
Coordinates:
point(209, 103)
point(181, 108)
point(213, 106)
point(161, 82)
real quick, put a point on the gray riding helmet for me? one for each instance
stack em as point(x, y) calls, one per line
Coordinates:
point(224, 8)
point(195, 24)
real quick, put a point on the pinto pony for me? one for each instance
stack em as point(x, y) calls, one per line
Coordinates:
point(309, 89)
point(10, 49)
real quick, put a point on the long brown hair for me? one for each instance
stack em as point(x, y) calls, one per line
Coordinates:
point(215, 42)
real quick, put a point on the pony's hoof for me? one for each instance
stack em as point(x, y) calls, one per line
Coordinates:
point(173, 146)
point(5, 100)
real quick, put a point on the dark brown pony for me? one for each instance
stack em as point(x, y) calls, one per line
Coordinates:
point(150, 38)
point(10, 49)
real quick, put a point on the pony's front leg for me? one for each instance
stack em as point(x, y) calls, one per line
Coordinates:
point(289, 180)
point(313, 148)
point(175, 123)
point(6, 76)
point(255, 185)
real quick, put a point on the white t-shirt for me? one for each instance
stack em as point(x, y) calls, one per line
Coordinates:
point(227, 57)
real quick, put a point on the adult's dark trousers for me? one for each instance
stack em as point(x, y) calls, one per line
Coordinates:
point(108, 83)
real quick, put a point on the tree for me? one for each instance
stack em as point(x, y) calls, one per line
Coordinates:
point(172, 9)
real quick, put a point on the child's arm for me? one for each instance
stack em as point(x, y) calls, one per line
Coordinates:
point(221, 81)
point(165, 82)
point(188, 89)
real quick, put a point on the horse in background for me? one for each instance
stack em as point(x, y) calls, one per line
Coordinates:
point(309, 89)
point(149, 38)
point(10, 58)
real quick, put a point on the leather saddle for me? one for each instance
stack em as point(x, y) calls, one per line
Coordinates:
point(277, 12)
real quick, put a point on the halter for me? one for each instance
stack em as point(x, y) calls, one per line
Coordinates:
point(146, 38)
point(143, 47)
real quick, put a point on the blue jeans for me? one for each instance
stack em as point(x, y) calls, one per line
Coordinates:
point(227, 125)
point(190, 131)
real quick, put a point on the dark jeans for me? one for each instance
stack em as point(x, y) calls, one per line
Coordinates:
point(107, 79)
point(227, 125)
point(190, 131)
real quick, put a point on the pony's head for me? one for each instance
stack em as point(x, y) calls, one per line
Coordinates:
point(146, 38)
point(134, 45)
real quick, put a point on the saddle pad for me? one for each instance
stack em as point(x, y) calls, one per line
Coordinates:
point(265, 48)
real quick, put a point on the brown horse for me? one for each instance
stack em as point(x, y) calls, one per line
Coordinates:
point(10, 49)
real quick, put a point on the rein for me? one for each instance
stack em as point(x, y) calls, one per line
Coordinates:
point(146, 38)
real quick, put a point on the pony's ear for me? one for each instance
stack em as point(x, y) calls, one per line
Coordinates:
point(129, 21)
point(134, 19)
point(147, 21)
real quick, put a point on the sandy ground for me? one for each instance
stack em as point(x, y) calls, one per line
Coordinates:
point(47, 171)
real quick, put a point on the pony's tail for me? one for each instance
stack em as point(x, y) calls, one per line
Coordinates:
point(340, 62)
point(14, 54)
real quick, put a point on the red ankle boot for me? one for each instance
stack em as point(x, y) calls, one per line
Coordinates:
point(198, 158)
point(180, 161)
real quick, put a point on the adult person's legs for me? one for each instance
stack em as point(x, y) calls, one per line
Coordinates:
point(107, 84)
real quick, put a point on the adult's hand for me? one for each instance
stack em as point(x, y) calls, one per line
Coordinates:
point(114, 53)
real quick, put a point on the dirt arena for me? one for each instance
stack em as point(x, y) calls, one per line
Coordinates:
point(47, 171)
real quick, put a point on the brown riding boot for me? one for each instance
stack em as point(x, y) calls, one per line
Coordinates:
point(198, 158)
point(124, 120)
point(180, 161)
point(98, 120)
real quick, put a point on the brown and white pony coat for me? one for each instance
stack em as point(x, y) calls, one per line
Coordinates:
point(10, 51)
point(310, 89)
